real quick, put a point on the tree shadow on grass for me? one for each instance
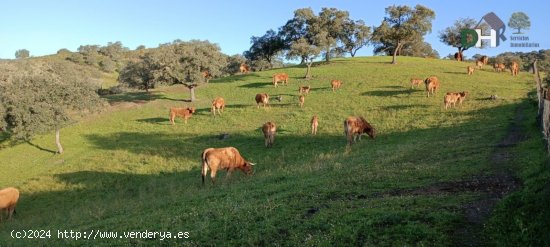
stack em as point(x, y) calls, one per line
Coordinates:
point(257, 85)
point(136, 97)
point(387, 93)
point(41, 148)
point(155, 120)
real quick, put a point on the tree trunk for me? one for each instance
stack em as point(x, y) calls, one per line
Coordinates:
point(192, 91)
point(58, 143)
point(327, 56)
point(459, 56)
point(394, 59)
point(308, 72)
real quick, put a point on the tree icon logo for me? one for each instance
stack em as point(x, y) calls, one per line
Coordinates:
point(519, 21)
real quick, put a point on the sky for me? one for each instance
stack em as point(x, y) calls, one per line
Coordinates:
point(44, 27)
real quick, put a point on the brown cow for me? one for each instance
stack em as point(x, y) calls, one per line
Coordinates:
point(184, 113)
point(432, 84)
point(458, 56)
point(269, 130)
point(301, 98)
point(484, 60)
point(227, 158)
point(336, 84)
point(495, 67)
point(280, 77)
point(314, 124)
point(415, 82)
point(8, 200)
point(244, 68)
point(207, 76)
point(357, 126)
point(219, 104)
point(304, 89)
point(470, 70)
point(514, 68)
point(479, 64)
point(501, 67)
point(262, 98)
point(451, 99)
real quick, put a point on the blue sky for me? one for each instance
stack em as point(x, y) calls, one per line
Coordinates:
point(43, 27)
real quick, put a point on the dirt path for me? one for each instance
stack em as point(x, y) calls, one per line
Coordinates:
point(495, 186)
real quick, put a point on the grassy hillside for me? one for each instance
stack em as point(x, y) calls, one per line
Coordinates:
point(128, 169)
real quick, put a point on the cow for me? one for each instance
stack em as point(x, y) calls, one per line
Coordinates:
point(8, 200)
point(336, 84)
point(514, 68)
point(355, 126)
point(501, 67)
point(280, 77)
point(484, 60)
point(304, 89)
point(262, 98)
point(269, 130)
point(470, 70)
point(244, 68)
point(301, 98)
point(479, 64)
point(206, 75)
point(432, 84)
point(451, 99)
point(495, 67)
point(184, 113)
point(227, 158)
point(458, 56)
point(314, 124)
point(415, 82)
point(218, 104)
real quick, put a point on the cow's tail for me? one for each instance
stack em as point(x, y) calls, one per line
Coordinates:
point(204, 168)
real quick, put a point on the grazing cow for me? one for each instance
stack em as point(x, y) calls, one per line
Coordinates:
point(415, 82)
point(501, 67)
point(301, 98)
point(218, 104)
point(8, 201)
point(432, 84)
point(451, 99)
point(514, 68)
point(495, 67)
point(184, 113)
point(280, 77)
point(269, 130)
point(336, 84)
point(470, 70)
point(314, 124)
point(479, 64)
point(227, 158)
point(304, 89)
point(244, 68)
point(262, 98)
point(207, 76)
point(355, 127)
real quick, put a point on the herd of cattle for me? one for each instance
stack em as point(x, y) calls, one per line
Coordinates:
point(230, 159)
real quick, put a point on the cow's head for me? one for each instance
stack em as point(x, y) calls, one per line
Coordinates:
point(191, 109)
point(247, 167)
point(371, 132)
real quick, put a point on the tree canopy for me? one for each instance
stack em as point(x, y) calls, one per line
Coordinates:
point(401, 26)
point(22, 53)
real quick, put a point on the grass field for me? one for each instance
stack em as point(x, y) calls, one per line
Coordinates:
point(128, 169)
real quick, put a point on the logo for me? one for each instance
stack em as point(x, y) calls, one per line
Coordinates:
point(473, 37)
point(520, 22)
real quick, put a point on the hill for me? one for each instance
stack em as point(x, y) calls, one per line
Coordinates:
point(128, 169)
